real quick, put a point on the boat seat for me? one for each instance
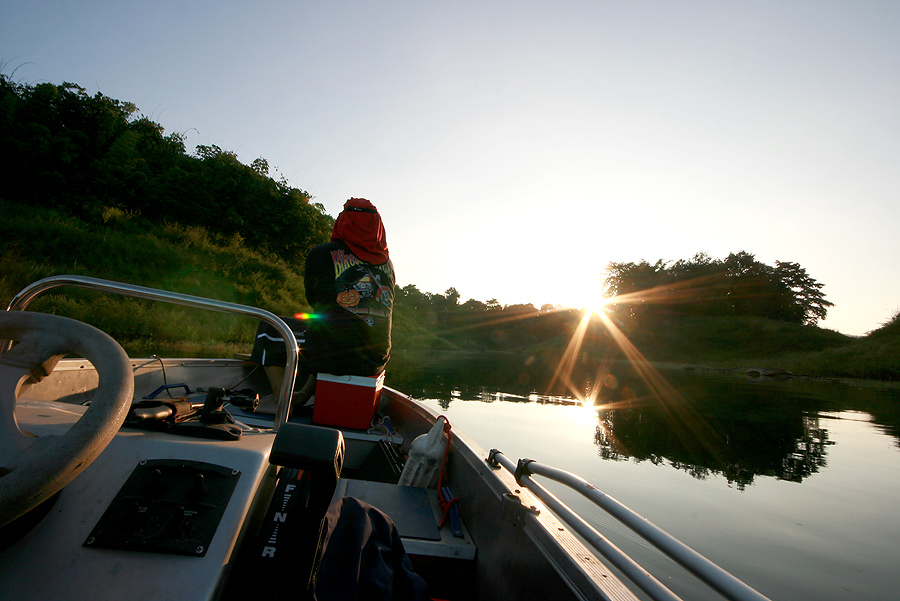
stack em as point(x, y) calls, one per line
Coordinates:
point(416, 514)
point(441, 558)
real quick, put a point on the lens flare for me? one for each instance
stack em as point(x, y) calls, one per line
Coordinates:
point(606, 392)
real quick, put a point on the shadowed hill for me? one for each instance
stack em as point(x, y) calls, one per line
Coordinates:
point(91, 189)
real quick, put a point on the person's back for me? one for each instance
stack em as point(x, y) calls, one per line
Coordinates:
point(350, 286)
point(352, 304)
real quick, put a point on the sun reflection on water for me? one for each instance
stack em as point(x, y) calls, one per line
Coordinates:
point(606, 393)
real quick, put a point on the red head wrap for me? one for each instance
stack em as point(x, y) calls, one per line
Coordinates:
point(359, 226)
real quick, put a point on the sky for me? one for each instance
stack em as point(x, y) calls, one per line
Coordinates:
point(515, 149)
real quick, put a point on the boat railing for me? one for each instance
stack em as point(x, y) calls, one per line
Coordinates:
point(714, 576)
point(27, 294)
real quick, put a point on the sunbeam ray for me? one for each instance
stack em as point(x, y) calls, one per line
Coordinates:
point(686, 422)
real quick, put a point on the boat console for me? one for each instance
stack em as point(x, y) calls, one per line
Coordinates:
point(158, 479)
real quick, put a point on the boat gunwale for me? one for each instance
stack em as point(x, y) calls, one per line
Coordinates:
point(585, 574)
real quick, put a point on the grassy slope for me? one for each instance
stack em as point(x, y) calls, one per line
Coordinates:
point(752, 342)
point(37, 243)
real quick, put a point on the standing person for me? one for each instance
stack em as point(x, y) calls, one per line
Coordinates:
point(350, 286)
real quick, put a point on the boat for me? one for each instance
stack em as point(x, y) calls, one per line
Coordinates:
point(157, 478)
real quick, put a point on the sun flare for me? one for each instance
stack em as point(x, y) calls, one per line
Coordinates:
point(598, 305)
point(590, 299)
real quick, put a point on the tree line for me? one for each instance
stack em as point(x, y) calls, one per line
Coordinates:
point(738, 285)
point(96, 158)
point(478, 325)
point(641, 294)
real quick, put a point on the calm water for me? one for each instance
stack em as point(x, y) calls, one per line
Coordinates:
point(793, 486)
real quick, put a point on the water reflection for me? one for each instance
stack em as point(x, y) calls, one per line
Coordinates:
point(705, 424)
point(715, 425)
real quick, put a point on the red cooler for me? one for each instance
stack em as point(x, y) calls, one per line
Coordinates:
point(346, 401)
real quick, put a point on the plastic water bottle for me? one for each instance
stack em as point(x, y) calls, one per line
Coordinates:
point(425, 456)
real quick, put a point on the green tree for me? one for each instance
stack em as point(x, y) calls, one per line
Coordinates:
point(806, 291)
point(738, 285)
point(88, 155)
point(639, 285)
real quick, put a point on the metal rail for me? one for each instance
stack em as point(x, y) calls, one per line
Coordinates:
point(714, 576)
point(27, 294)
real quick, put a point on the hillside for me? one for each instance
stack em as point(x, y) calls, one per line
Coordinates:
point(37, 242)
point(753, 342)
point(92, 189)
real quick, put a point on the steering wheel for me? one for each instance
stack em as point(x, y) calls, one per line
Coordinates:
point(33, 469)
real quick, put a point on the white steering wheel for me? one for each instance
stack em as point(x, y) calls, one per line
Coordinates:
point(34, 469)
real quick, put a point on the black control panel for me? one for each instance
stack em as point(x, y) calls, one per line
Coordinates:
point(167, 506)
